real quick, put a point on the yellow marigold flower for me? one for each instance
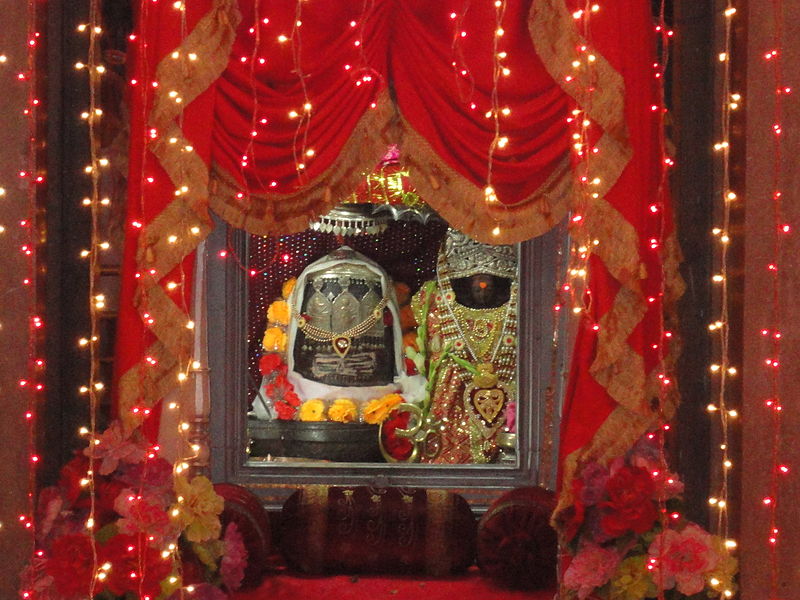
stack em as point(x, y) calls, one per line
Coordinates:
point(274, 339)
point(278, 312)
point(287, 288)
point(377, 410)
point(312, 410)
point(343, 410)
point(198, 508)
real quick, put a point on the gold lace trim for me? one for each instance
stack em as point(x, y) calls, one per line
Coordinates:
point(617, 366)
point(186, 217)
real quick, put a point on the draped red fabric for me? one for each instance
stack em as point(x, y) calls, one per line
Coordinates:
point(301, 84)
point(150, 189)
point(346, 57)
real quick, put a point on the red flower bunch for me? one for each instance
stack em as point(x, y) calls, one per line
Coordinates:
point(399, 448)
point(630, 505)
point(271, 363)
point(284, 398)
point(135, 567)
point(71, 564)
point(278, 387)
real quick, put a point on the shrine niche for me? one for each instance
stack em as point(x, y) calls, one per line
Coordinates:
point(406, 356)
point(268, 121)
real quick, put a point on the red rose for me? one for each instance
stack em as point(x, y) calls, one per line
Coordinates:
point(630, 504)
point(106, 492)
point(629, 485)
point(638, 518)
point(135, 567)
point(70, 564)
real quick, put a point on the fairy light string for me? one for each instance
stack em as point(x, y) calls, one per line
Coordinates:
point(96, 301)
point(583, 70)
point(34, 176)
point(723, 369)
point(499, 141)
point(773, 362)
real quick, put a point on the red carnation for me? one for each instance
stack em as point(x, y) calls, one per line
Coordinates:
point(630, 504)
point(399, 448)
point(70, 564)
point(285, 412)
point(270, 363)
point(135, 567)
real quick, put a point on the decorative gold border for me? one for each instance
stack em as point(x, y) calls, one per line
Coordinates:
point(274, 213)
point(618, 367)
point(438, 514)
point(186, 217)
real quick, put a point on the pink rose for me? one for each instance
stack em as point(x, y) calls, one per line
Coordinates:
point(145, 515)
point(682, 559)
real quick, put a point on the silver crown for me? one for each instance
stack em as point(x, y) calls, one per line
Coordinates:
point(466, 257)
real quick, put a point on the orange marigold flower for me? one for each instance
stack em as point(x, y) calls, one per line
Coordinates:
point(274, 339)
point(378, 410)
point(287, 288)
point(278, 312)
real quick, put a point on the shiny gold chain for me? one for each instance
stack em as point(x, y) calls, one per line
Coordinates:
point(323, 335)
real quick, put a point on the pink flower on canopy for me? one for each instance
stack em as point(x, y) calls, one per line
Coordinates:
point(146, 515)
point(682, 559)
point(591, 568)
point(234, 561)
point(115, 446)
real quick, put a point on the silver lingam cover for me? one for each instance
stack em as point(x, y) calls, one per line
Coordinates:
point(342, 329)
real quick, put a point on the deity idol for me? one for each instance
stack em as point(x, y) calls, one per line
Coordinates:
point(344, 337)
point(472, 328)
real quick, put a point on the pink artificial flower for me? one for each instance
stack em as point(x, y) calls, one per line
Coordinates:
point(115, 446)
point(682, 559)
point(146, 515)
point(511, 417)
point(153, 477)
point(234, 561)
point(51, 503)
point(668, 485)
point(591, 568)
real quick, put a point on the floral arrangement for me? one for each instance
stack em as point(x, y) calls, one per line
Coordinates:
point(278, 320)
point(627, 540)
point(155, 534)
point(289, 406)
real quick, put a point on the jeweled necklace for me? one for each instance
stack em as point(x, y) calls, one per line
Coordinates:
point(448, 297)
point(341, 341)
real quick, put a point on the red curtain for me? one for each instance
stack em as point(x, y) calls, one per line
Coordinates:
point(231, 99)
